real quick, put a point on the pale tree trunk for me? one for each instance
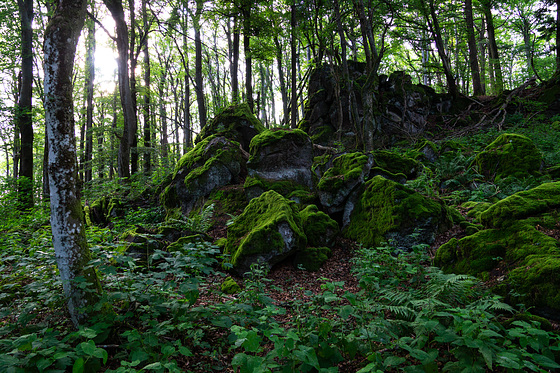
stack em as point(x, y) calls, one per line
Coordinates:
point(24, 109)
point(67, 218)
point(557, 36)
point(282, 79)
point(116, 9)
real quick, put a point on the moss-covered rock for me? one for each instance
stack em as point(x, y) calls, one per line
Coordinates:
point(347, 173)
point(312, 258)
point(509, 155)
point(388, 210)
point(102, 210)
point(230, 286)
point(236, 123)
point(396, 163)
point(280, 159)
point(318, 227)
point(268, 231)
point(522, 204)
point(180, 244)
point(213, 163)
point(255, 186)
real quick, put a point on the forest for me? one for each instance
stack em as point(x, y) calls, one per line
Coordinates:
point(280, 186)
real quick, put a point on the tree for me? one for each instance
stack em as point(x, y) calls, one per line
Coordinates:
point(67, 218)
point(24, 115)
point(473, 52)
point(494, 63)
point(199, 88)
point(147, 93)
point(117, 11)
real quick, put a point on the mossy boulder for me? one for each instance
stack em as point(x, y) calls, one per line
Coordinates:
point(509, 155)
point(515, 245)
point(396, 163)
point(348, 172)
point(387, 210)
point(280, 156)
point(522, 204)
point(312, 258)
point(236, 123)
point(255, 186)
point(318, 227)
point(211, 164)
point(268, 231)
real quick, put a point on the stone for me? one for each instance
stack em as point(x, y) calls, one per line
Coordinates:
point(268, 231)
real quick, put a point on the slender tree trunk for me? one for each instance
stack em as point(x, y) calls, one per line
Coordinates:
point(282, 79)
point(493, 47)
point(24, 106)
point(199, 88)
point(90, 77)
point(557, 36)
point(147, 92)
point(235, 63)
point(100, 159)
point(435, 29)
point(473, 52)
point(248, 56)
point(117, 11)
point(293, 47)
point(163, 118)
point(133, 56)
point(67, 218)
point(46, 188)
point(482, 51)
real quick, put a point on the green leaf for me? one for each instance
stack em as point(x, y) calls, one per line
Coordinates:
point(487, 354)
point(185, 351)
point(307, 355)
point(346, 311)
point(508, 360)
point(393, 361)
point(78, 366)
point(546, 362)
point(153, 366)
point(252, 341)
point(88, 347)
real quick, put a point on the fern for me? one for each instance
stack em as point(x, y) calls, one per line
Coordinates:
point(200, 222)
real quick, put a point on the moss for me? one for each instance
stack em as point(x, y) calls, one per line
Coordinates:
point(255, 186)
point(396, 163)
point(522, 204)
point(509, 155)
point(229, 199)
point(537, 281)
point(554, 171)
point(256, 230)
point(475, 209)
point(230, 286)
point(269, 137)
point(346, 167)
point(386, 206)
point(221, 242)
point(236, 123)
point(319, 228)
point(312, 258)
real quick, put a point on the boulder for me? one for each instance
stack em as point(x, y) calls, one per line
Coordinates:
point(102, 210)
point(280, 160)
point(509, 155)
point(211, 164)
point(268, 231)
point(318, 227)
point(387, 210)
point(347, 173)
point(236, 123)
point(515, 250)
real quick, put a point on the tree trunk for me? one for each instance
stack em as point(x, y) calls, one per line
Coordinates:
point(557, 36)
point(248, 56)
point(493, 48)
point(435, 29)
point(473, 52)
point(116, 9)
point(90, 77)
point(235, 63)
point(67, 218)
point(281, 77)
point(24, 107)
point(198, 65)
point(133, 128)
point(147, 95)
point(163, 118)
point(293, 47)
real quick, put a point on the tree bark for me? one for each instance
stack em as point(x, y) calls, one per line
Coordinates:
point(473, 52)
point(147, 93)
point(248, 57)
point(493, 47)
point(235, 63)
point(557, 36)
point(198, 65)
point(133, 56)
point(24, 107)
point(293, 47)
point(90, 77)
point(282, 79)
point(67, 219)
point(117, 11)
